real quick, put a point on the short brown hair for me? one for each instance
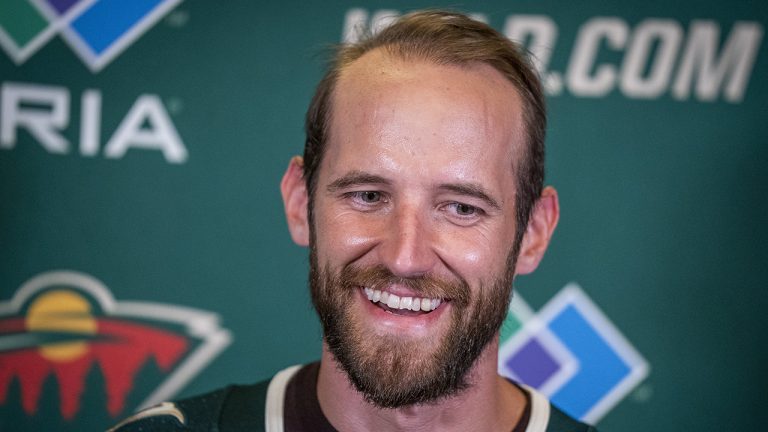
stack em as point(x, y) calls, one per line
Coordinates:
point(443, 38)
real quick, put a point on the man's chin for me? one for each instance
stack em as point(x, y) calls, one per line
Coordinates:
point(393, 371)
point(399, 377)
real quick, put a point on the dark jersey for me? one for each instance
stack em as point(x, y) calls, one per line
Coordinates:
point(288, 402)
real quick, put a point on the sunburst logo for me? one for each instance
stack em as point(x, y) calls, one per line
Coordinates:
point(65, 324)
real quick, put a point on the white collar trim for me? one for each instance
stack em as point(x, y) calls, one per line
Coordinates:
point(539, 410)
point(273, 414)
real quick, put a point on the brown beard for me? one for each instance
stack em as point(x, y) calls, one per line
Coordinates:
point(393, 371)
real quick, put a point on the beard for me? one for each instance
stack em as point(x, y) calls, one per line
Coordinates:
point(393, 371)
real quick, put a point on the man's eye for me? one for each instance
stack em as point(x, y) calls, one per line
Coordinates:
point(369, 197)
point(465, 209)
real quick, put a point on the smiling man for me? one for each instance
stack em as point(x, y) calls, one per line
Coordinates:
point(421, 197)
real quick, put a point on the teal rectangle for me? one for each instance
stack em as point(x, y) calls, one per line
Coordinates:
point(510, 326)
point(21, 21)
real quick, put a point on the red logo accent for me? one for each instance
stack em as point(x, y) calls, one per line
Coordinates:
point(114, 341)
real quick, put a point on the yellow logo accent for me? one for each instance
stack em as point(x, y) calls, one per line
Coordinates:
point(61, 311)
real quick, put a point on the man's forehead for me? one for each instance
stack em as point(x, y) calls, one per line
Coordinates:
point(385, 66)
point(378, 83)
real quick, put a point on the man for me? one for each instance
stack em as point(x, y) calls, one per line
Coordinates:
point(420, 196)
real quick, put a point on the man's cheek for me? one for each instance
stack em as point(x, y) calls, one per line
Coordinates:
point(338, 246)
point(467, 254)
point(350, 233)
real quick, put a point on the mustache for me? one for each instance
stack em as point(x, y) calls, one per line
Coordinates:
point(380, 277)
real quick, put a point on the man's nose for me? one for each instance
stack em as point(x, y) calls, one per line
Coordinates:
point(407, 248)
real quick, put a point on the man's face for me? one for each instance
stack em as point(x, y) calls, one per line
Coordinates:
point(415, 201)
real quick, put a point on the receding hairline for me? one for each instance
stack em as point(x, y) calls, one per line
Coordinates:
point(394, 56)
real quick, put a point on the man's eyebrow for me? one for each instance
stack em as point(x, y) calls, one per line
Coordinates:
point(356, 178)
point(472, 190)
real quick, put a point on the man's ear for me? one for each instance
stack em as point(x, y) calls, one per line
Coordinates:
point(295, 199)
point(540, 227)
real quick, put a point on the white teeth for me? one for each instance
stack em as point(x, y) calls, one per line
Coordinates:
point(426, 305)
point(396, 302)
point(416, 305)
point(406, 302)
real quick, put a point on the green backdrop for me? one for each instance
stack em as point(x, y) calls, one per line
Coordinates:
point(154, 168)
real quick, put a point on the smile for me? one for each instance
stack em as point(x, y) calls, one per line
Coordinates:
point(405, 303)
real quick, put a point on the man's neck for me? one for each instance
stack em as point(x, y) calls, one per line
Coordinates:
point(490, 403)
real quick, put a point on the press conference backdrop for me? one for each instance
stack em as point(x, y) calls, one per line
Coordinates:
point(144, 256)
